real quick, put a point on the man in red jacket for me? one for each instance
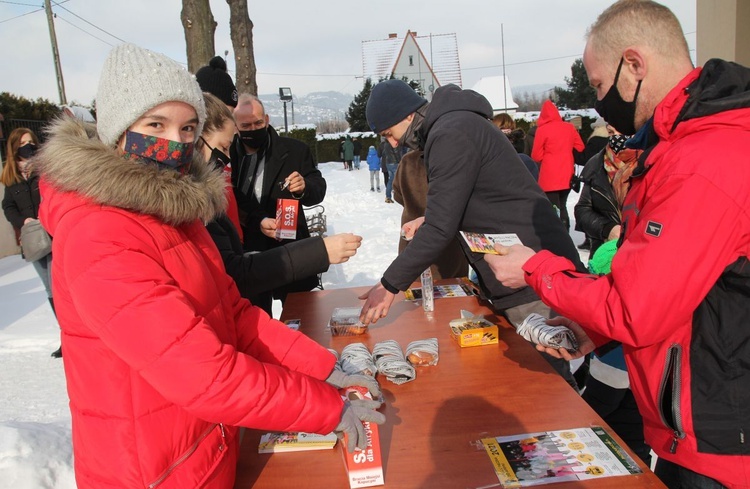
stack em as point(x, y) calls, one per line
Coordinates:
point(678, 296)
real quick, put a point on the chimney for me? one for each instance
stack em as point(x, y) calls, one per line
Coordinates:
point(414, 33)
point(392, 36)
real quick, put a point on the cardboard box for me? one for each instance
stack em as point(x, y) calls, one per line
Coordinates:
point(475, 331)
point(287, 213)
point(364, 467)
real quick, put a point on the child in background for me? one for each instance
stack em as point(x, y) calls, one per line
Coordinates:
point(373, 163)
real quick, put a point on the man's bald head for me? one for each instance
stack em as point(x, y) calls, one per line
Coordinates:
point(629, 23)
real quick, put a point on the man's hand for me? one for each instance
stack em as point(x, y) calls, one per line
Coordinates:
point(268, 227)
point(341, 247)
point(377, 304)
point(410, 228)
point(296, 183)
point(507, 265)
point(585, 345)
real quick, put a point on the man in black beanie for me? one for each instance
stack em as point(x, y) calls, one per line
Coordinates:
point(215, 80)
point(476, 183)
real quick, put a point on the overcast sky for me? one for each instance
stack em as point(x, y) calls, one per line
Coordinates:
point(306, 45)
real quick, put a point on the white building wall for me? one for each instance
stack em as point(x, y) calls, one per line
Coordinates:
point(412, 65)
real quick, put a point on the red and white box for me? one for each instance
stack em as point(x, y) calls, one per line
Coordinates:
point(364, 467)
point(287, 213)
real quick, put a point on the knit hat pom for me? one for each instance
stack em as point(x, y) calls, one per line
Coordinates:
point(215, 80)
point(218, 63)
point(134, 80)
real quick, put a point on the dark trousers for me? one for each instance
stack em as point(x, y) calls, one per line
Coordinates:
point(559, 198)
point(618, 408)
point(678, 477)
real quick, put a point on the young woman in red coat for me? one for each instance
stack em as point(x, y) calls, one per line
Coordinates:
point(164, 361)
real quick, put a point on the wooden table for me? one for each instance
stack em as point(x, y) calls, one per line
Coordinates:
point(477, 392)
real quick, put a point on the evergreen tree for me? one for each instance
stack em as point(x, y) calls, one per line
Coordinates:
point(19, 107)
point(579, 94)
point(356, 116)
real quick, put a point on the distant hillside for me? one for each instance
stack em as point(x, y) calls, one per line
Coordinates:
point(308, 109)
point(538, 89)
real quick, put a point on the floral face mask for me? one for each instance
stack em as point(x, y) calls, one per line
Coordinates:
point(164, 153)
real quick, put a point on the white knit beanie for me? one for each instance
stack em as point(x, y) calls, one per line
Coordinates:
point(135, 80)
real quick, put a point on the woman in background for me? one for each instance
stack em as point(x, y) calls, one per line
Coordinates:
point(258, 274)
point(21, 199)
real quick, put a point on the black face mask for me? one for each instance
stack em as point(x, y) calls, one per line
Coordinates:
point(617, 112)
point(218, 157)
point(27, 151)
point(255, 139)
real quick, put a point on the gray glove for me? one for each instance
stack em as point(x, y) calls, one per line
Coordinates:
point(339, 379)
point(351, 422)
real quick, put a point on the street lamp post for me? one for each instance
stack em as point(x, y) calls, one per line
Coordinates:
point(285, 95)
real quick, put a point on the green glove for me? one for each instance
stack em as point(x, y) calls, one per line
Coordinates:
point(339, 379)
point(353, 414)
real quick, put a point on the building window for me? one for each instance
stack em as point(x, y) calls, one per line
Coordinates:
point(411, 60)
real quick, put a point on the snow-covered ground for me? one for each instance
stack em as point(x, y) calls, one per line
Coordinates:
point(35, 443)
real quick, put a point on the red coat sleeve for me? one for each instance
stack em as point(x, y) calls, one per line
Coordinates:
point(700, 237)
point(126, 297)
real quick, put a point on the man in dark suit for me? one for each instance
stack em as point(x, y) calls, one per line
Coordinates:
point(267, 167)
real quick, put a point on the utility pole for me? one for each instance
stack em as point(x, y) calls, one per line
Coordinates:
point(505, 93)
point(55, 53)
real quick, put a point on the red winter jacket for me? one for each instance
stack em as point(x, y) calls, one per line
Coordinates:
point(678, 297)
point(163, 359)
point(553, 149)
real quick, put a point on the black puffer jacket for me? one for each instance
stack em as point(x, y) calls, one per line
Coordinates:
point(21, 201)
point(596, 211)
point(477, 183)
point(257, 274)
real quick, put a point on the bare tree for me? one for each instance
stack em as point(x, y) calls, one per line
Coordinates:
point(241, 31)
point(199, 26)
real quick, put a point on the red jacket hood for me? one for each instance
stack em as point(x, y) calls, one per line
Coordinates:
point(549, 113)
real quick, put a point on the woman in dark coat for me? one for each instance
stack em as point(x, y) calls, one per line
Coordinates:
point(258, 274)
point(606, 179)
point(21, 199)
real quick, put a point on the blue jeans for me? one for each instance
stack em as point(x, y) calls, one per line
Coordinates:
point(392, 167)
point(356, 161)
point(43, 268)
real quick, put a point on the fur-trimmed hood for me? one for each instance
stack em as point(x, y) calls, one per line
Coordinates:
point(74, 160)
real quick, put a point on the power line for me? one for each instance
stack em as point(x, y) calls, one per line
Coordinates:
point(523, 62)
point(18, 3)
point(89, 23)
point(82, 30)
point(25, 5)
point(17, 16)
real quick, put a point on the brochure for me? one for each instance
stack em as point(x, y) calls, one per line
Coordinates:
point(294, 442)
point(485, 243)
point(532, 459)
point(440, 291)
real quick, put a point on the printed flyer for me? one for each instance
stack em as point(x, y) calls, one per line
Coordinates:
point(533, 459)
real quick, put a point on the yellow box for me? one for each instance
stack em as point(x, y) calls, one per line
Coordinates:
point(474, 332)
